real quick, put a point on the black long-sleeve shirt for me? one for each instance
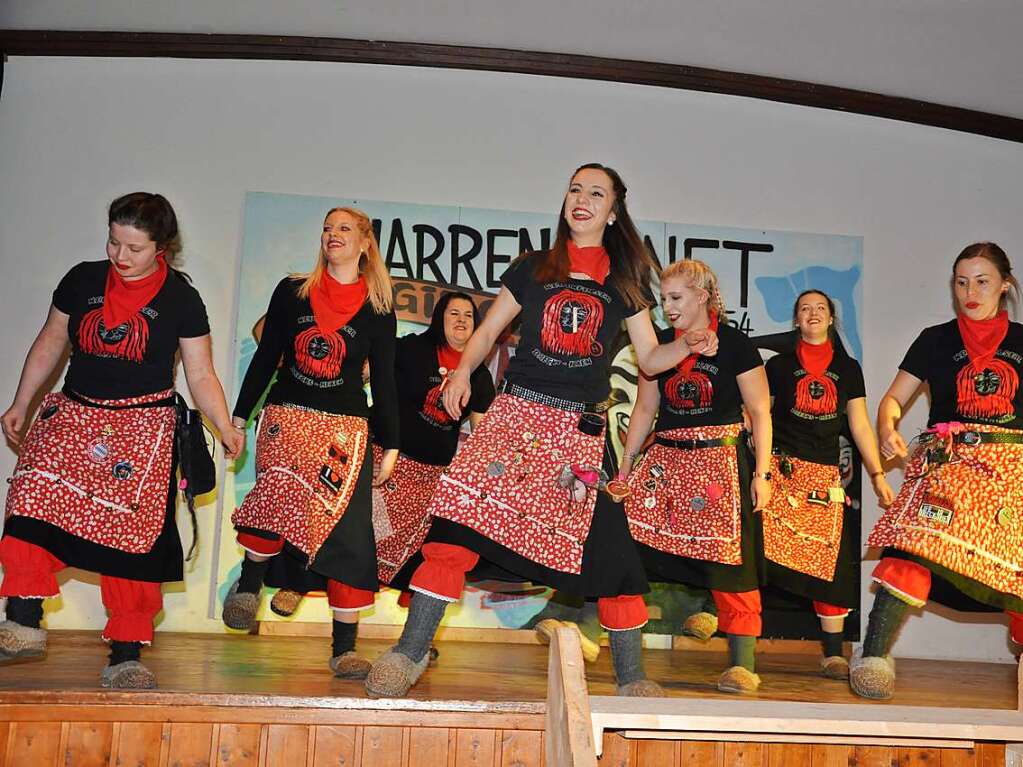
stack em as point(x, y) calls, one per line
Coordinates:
point(324, 372)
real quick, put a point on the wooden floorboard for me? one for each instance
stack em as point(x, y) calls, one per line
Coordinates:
point(244, 670)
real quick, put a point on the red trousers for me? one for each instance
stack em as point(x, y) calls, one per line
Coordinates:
point(739, 612)
point(340, 596)
point(911, 582)
point(825, 610)
point(30, 571)
point(442, 575)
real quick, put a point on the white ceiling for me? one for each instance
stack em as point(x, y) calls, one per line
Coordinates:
point(965, 53)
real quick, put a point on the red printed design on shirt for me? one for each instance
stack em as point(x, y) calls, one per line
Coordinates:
point(571, 321)
point(318, 355)
point(688, 390)
point(987, 391)
point(128, 341)
point(816, 395)
point(433, 408)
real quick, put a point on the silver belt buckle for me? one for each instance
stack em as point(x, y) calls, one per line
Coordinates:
point(970, 438)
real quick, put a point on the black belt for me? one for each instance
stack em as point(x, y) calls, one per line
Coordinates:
point(557, 402)
point(989, 437)
point(76, 397)
point(698, 444)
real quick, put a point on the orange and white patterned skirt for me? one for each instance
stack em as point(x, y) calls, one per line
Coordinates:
point(688, 502)
point(400, 521)
point(307, 464)
point(803, 522)
point(965, 514)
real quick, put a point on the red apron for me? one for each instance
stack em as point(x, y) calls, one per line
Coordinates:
point(966, 514)
point(400, 521)
point(803, 523)
point(688, 502)
point(507, 481)
point(307, 463)
point(98, 473)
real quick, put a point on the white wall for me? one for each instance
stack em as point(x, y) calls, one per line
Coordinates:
point(74, 133)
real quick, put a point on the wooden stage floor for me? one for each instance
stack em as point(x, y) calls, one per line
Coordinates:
point(210, 669)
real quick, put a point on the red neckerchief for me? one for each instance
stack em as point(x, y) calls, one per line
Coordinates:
point(447, 358)
point(123, 298)
point(983, 337)
point(685, 367)
point(815, 358)
point(593, 261)
point(335, 303)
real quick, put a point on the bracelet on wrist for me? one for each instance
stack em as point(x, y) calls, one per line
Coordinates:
point(876, 474)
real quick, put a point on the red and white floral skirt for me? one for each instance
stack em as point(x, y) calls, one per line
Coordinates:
point(508, 481)
point(965, 514)
point(803, 523)
point(688, 502)
point(98, 472)
point(400, 521)
point(307, 464)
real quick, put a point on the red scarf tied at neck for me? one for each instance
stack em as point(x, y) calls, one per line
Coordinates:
point(335, 303)
point(447, 358)
point(593, 261)
point(686, 366)
point(816, 393)
point(123, 298)
point(986, 386)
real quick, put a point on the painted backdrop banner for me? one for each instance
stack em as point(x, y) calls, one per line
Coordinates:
point(430, 248)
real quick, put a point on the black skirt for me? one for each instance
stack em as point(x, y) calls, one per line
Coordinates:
point(348, 555)
point(163, 563)
point(750, 575)
point(611, 565)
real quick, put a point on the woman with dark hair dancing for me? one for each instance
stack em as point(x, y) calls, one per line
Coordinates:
point(524, 493)
point(957, 522)
point(429, 435)
point(314, 470)
point(94, 486)
point(809, 549)
point(695, 491)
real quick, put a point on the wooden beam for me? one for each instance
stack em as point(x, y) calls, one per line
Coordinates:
point(173, 45)
point(767, 737)
point(808, 719)
point(568, 738)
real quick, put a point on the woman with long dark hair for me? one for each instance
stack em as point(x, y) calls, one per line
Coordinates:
point(429, 435)
point(95, 485)
point(314, 470)
point(957, 522)
point(525, 492)
point(810, 550)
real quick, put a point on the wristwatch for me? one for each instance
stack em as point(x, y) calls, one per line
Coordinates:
point(763, 475)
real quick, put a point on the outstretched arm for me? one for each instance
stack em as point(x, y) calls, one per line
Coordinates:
point(43, 357)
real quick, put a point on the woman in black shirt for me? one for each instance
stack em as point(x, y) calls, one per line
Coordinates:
point(94, 486)
point(429, 435)
point(524, 492)
point(694, 494)
point(429, 438)
point(810, 550)
point(314, 472)
point(957, 522)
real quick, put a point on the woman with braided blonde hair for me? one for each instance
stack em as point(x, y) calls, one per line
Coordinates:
point(693, 495)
